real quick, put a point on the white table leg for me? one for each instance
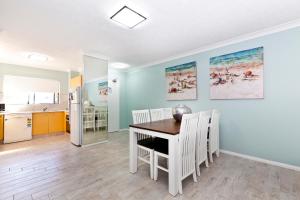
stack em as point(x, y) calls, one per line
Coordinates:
point(173, 165)
point(132, 151)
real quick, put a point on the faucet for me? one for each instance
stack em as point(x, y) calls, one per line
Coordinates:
point(44, 109)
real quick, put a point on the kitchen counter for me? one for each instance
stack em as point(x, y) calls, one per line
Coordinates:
point(33, 111)
point(43, 123)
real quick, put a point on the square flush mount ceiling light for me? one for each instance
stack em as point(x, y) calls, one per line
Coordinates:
point(128, 17)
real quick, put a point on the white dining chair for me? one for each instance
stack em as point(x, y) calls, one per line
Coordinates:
point(187, 145)
point(201, 140)
point(145, 142)
point(157, 114)
point(167, 113)
point(213, 142)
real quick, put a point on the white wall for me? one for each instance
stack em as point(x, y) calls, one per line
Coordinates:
point(16, 70)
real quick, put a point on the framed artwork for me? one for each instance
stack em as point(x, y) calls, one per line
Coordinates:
point(237, 75)
point(181, 82)
point(103, 90)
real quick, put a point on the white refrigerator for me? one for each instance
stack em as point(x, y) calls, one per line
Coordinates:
point(75, 117)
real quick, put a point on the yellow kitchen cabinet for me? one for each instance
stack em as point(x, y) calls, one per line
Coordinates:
point(40, 123)
point(76, 82)
point(44, 123)
point(1, 127)
point(56, 122)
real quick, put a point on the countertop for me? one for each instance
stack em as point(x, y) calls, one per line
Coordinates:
point(28, 112)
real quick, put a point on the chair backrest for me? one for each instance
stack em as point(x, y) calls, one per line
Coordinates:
point(167, 113)
point(201, 140)
point(157, 114)
point(187, 143)
point(214, 130)
point(140, 116)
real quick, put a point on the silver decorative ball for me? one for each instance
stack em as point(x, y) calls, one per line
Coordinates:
point(179, 110)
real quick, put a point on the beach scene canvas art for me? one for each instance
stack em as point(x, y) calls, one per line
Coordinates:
point(103, 90)
point(181, 82)
point(237, 75)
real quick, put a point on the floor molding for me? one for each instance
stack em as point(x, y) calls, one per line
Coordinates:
point(123, 129)
point(96, 143)
point(270, 162)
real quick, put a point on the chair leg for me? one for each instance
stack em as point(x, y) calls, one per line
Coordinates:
point(198, 169)
point(155, 166)
point(206, 163)
point(180, 187)
point(218, 153)
point(211, 157)
point(195, 176)
point(151, 164)
point(168, 163)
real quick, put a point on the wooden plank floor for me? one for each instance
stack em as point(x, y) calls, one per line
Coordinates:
point(52, 168)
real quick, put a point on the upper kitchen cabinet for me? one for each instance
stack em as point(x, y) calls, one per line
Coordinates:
point(76, 82)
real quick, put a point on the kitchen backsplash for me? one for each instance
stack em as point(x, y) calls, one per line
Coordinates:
point(63, 105)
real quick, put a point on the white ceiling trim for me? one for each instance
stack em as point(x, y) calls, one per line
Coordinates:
point(41, 67)
point(241, 38)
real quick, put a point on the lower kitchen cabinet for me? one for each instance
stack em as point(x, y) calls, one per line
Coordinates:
point(40, 123)
point(1, 127)
point(56, 122)
point(48, 122)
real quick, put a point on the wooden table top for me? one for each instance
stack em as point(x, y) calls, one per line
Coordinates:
point(168, 126)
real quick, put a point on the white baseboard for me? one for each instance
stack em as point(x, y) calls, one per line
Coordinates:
point(88, 145)
point(270, 162)
point(124, 129)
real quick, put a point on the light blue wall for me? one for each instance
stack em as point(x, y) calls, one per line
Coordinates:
point(16, 70)
point(268, 128)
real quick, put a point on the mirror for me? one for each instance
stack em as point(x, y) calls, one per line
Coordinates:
point(94, 101)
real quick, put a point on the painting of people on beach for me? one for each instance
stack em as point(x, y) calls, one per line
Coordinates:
point(103, 90)
point(237, 75)
point(181, 82)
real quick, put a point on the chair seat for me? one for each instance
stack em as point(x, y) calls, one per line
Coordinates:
point(158, 144)
point(161, 145)
point(147, 142)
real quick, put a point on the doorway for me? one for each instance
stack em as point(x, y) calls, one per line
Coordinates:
point(113, 104)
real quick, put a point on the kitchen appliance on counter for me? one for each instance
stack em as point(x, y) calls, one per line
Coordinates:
point(17, 127)
point(2, 107)
point(75, 116)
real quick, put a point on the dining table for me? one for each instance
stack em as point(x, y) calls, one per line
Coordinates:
point(167, 129)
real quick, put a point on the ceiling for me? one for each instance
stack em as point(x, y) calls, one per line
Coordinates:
point(65, 30)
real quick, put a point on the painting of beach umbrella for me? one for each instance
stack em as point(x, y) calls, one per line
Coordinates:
point(237, 75)
point(181, 82)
